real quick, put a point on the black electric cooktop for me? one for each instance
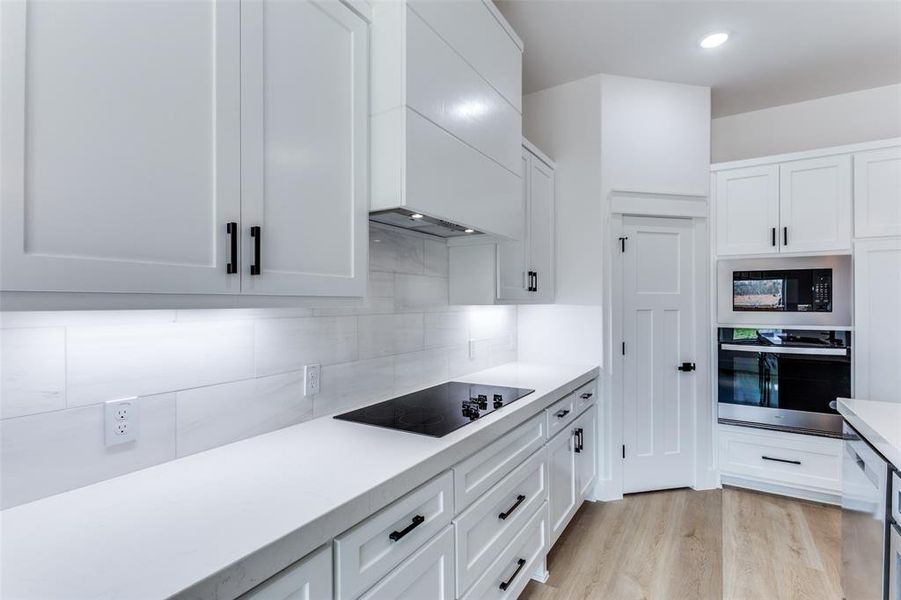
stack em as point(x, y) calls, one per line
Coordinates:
point(438, 410)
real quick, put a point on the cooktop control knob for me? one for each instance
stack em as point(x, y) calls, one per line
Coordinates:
point(482, 401)
point(498, 401)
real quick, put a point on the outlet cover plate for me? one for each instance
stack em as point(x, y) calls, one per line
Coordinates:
point(311, 380)
point(120, 421)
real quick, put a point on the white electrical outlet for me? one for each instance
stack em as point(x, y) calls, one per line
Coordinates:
point(311, 380)
point(120, 421)
point(473, 350)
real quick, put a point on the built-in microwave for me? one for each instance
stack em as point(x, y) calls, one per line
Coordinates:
point(785, 291)
point(783, 378)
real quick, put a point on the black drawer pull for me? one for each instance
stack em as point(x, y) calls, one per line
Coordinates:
point(782, 460)
point(586, 395)
point(256, 234)
point(396, 535)
point(503, 516)
point(232, 230)
point(561, 413)
point(519, 565)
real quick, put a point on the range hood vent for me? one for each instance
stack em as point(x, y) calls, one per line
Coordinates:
point(407, 219)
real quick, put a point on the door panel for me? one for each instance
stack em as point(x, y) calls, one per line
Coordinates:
point(877, 193)
point(120, 154)
point(658, 326)
point(513, 257)
point(541, 229)
point(815, 204)
point(561, 481)
point(747, 210)
point(587, 458)
point(304, 147)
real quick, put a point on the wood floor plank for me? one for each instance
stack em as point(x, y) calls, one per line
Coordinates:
point(684, 544)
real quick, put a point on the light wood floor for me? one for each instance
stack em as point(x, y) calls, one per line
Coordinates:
point(683, 544)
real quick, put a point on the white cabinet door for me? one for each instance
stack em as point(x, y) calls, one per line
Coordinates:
point(747, 211)
point(541, 230)
point(877, 193)
point(877, 319)
point(304, 125)
point(815, 204)
point(120, 144)
point(587, 455)
point(562, 501)
point(513, 257)
point(308, 579)
point(429, 573)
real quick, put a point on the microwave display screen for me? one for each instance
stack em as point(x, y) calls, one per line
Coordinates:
point(799, 290)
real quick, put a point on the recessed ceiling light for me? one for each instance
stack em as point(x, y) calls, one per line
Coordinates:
point(416, 216)
point(468, 230)
point(714, 40)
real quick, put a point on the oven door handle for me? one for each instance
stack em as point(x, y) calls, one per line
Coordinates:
point(785, 350)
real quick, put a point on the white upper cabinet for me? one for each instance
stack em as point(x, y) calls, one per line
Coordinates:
point(541, 208)
point(815, 204)
point(747, 210)
point(120, 145)
point(304, 123)
point(877, 193)
point(445, 133)
point(149, 146)
point(513, 257)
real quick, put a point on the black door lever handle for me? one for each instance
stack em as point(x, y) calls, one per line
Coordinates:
point(687, 366)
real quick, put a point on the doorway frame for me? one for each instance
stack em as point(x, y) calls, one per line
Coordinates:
point(695, 208)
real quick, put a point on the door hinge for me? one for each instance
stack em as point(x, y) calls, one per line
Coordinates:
point(624, 451)
point(624, 348)
point(622, 244)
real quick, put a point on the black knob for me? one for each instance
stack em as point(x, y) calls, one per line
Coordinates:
point(498, 401)
point(482, 400)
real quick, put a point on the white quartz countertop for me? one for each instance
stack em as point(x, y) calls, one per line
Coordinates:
point(878, 422)
point(214, 523)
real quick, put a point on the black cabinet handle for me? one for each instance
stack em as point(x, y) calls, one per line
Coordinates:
point(785, 236)
point(519, 565)
point(774, 237)
point(782, 460)
point(586, 395)
point(396, 535)
point(256, 234)
point(232, 230)
point(561, 413)
point(578, 440)
point(581, 439)
point(503, 516)
point(533, 281)
point(535, 286)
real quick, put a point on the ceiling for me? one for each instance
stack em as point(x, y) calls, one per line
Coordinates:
point(778, 52)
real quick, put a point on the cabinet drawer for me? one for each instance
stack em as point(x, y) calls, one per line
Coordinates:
point(510, 572)
point(429, 573)
point(790, 459)
point(310, 578)
point(586, 395)
point(560, 415)
point(366, 553)
point(475, 475)
point(488, 525)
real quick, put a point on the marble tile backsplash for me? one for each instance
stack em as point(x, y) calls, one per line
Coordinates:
point(205, 378)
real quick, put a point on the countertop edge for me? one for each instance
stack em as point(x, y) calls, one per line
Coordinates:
point(886, 448)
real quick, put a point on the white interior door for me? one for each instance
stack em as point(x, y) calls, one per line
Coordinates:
point(305, 147)
point(120, 145)
point(815, 204)
point(659, 335)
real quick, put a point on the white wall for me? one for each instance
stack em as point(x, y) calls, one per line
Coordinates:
point(209, 377)
point(832, 121)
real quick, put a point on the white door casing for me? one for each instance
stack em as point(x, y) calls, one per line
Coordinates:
point(305, 147)
point(658, 300)
point(116, 178)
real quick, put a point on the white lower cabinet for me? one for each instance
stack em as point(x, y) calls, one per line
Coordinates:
point(586, 451)
point(511, 570)
point(562, 500)
point(368, 551)
point(428, 573)
point(487, 526)
point(806, 466)
point(310, 578)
